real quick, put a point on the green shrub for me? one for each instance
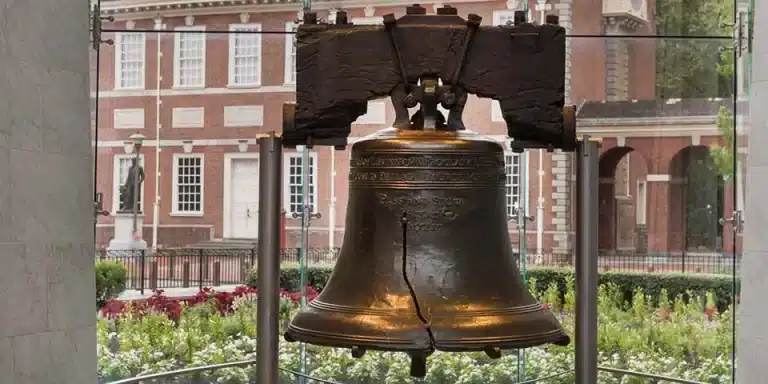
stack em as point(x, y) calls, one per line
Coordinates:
point(678, 339)
point(651, 283)
point(290, 277)
point(110, 281)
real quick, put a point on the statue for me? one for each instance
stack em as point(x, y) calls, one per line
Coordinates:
point(132, 185)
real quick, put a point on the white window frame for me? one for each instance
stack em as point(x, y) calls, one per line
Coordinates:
point(641, 202)
point(287, 181)
point(290, 53)
point(118, 54)
point(116, 182)
point(231, 55)
point(177, 58)
point(175, 191)
point(523, 167)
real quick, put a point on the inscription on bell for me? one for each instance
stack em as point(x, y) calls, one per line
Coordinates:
point(430, 161)
point(425, 214)
point(426, 176)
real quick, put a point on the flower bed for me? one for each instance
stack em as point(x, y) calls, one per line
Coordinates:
point(687, 339)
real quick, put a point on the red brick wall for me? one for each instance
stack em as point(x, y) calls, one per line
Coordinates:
point(587, 79)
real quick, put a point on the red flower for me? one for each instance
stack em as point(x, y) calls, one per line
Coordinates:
point(172, 308)
point(113, 309)
point(709, 312)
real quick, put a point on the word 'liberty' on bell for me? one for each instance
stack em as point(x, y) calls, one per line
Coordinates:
point(426, 262)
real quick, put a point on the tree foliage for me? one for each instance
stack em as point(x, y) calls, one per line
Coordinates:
point(697, 68)
point(689, 67)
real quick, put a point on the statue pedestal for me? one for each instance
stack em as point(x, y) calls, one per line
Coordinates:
point(123, 238)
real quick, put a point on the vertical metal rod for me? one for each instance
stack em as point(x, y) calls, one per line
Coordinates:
point(522, 220)
point(540, 208)
point(158, 84)
point(96, 137)
point(270, 160)
point(135, 187)
point(332, 203)
point(586, 262)
point(306, 216)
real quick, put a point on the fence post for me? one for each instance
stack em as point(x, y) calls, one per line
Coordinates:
point(153, 275)
point(200, 270)
point(253, 256)
point(141, 272)
point(216, 273)
point(172, 265)
point(683, 261)
point(244, 272)
point(185, 274)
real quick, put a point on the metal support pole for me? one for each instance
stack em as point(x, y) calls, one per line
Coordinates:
point(586, 261)
point(270, 162)
point(136, 192)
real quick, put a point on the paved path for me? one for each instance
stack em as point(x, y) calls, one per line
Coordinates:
point(134, 294)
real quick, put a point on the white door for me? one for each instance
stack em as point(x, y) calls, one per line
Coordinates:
point(244, 195)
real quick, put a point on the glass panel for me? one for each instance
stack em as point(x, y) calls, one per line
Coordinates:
point(664, 18)
point(661, 108)
point(200, 114)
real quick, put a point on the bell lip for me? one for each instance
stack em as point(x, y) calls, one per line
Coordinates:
point(294, 334)
point(557, 337)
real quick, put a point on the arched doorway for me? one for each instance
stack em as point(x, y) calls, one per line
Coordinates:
point(621, 199)
point(696, 202)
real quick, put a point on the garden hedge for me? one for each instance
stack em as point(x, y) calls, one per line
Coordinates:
point(111, 277)
point(721, 286)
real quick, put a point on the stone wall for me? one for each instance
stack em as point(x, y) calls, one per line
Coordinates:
point(753, 335)
point(47, 325)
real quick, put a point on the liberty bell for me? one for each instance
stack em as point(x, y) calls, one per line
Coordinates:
point(426, 262)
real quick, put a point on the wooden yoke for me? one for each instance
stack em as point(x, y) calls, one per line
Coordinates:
point(340, 67)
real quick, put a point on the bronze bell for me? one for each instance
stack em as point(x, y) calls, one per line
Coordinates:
point(426, 263)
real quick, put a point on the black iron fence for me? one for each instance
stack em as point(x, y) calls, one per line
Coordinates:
point(681, 262)
point(187, 267)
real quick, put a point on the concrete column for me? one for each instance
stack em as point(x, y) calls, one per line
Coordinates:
point(752, 346)
point(47, 324)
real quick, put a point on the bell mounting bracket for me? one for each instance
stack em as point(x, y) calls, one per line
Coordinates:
point(450, 95)
point(431, 60)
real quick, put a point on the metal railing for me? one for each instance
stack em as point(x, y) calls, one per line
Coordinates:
point(188, 267)
point(238, 364)
point(197, 370)
point(682, 262)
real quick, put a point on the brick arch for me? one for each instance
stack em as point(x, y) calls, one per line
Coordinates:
point(657, 151)
point(617, 228)
point(696, 202)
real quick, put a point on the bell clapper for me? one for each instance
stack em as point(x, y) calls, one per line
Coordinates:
point(358, 352)
point(493, 352)
point(418, 364)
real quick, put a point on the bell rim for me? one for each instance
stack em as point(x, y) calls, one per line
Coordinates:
point(477, 344)
point(368, 342)
point(517, 310)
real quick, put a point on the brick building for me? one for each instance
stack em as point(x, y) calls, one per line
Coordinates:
point(202, 96)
